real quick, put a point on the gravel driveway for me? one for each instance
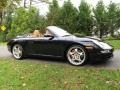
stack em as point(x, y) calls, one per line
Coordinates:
point(113, 63)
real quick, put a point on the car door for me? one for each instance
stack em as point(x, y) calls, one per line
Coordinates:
point(30, 47)
point(47, 46)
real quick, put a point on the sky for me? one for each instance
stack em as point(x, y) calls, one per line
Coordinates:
point(44, 7)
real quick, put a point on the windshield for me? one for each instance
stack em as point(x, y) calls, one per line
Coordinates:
point(58, 31)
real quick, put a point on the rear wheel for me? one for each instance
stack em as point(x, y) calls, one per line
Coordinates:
point(17, 51)
point(77, 55)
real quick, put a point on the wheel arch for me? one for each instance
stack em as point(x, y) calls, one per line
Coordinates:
point(14, 43)
point(73, 44)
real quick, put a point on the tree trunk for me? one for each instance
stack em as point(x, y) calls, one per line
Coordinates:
point(0, 16)
point(24, 3)
point(101, 33)
point(112, 32)
point(30, 2)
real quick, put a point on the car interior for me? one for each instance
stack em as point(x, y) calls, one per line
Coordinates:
point(38, 34)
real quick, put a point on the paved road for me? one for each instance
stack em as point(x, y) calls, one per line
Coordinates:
point(4, 52)
point(113, 63)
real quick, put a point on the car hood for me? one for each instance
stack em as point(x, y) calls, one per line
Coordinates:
point(87, 38)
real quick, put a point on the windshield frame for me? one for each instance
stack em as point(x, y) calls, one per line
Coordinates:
point(58, 32)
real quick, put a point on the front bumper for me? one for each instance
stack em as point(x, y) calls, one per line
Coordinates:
point(101, 56)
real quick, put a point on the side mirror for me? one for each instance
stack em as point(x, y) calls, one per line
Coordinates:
point(49, 36)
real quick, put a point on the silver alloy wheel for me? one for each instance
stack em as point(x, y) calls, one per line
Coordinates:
point(76, 55)
point(17, 51)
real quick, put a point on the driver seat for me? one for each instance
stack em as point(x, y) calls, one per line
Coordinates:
point(36, 33)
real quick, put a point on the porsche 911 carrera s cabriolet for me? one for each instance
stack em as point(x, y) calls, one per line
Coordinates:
point(57, 42)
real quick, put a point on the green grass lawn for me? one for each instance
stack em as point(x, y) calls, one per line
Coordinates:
point(33, 75)
point(3, 43)
point(114, 43)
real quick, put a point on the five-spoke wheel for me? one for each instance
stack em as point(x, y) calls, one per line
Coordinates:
point(17, 51)
point(76, 55)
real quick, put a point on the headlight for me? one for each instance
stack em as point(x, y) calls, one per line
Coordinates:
point(105, 51)
point(89, 45)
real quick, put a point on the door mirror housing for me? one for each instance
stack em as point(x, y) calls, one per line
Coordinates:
point(49, 36)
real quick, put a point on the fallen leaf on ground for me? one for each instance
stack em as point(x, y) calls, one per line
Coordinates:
point(24, 84)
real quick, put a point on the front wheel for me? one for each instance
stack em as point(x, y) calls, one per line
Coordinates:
point(77, 55)
point(17, 51)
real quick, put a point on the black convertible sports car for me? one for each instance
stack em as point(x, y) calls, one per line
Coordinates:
point(59, 43)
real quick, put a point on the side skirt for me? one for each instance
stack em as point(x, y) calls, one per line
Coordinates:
point(46, 55)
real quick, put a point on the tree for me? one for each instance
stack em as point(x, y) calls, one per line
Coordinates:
point(24, 21)
point(7, 22)
point(9, 10)
point(112, 17)
point(118, 17)
point(36, 1)
point(84, 19)
point(100, 16)
point(7, 7)
point(4, 4)
point(67, 17)
point(53, 13)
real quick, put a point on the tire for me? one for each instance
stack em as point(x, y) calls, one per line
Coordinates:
point(17, 51)
point(76, 55)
